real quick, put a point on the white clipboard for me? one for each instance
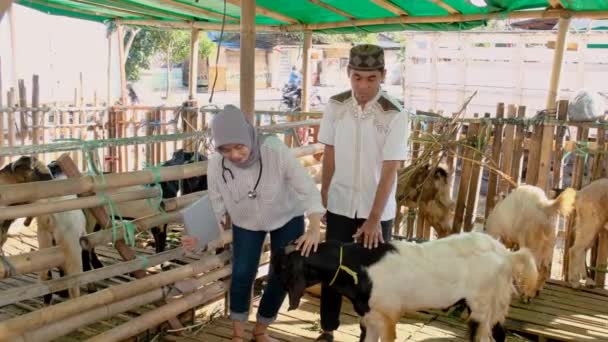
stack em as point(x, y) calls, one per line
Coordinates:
point(199, 221)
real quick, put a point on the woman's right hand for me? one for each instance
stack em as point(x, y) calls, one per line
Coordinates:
point(189, 242)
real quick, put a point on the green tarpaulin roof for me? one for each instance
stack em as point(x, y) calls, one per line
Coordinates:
point(329, 16)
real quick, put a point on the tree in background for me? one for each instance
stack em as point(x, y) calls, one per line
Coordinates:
point(172, 46)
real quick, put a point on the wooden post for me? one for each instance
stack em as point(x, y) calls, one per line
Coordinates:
point(109, 72)
point(534, 154)
point(599, 252)
point(11, 118)
point(465, 177)
point(306, 71)
point(518, 148)
point(577, 183)
point(121, 61)
point(508, 150)
point(192, 80)
point(546, 150)
point(1, 115)
point(562, 113)
point(247, 90)
point(496, 148)
point(23, 129)
point(35, 114)
point(558, 58)
point(475, 181)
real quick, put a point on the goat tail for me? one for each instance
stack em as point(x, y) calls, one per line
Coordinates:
point(564, 203)
point(524, 270)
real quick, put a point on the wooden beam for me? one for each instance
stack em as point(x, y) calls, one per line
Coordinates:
point(389, 6)
point(556, 4)
point(201, 25)
point(115, 8)
point(69, 8)
point(306, 70)
point(453, 18)
point(266, 12)
point(198, 10)
point(332, 9)
point(247, 51)
point(445, 6)
point(149, 10)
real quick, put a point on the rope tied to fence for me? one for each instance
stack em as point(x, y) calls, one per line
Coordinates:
point(88, 148)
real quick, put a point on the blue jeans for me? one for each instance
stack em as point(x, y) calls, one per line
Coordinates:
point(246, 251)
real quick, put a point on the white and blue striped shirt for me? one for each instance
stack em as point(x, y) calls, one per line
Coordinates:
point(285, 190)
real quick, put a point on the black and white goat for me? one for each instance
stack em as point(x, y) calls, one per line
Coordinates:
point(399, 277)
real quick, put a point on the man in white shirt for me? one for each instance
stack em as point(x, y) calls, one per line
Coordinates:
point(365, 133)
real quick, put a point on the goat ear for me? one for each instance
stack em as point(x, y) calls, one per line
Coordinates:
point(296, 282)
point(24, 162)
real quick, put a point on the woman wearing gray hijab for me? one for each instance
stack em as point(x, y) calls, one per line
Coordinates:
point(263, 188)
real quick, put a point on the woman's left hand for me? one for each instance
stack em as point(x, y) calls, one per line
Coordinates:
point(309, 241)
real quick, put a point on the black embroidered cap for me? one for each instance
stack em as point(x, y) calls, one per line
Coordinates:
point(366, 57)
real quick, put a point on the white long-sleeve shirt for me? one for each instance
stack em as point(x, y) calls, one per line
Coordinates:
point(285, 190)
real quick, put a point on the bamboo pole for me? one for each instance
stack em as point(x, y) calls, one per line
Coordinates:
point(465, 178)
point(61, 328)
point(306, 71)
point(71, 170)
point(20, 324)
point(247, 84)
point(38, 208)
point(16, 294)
point(153, 318)
point(19, 193)
point(558, 59)
point(193, 79)
point(51, 257)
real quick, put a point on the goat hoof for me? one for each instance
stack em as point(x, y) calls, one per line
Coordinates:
point(91, 288)
point(525, 299)
point(589, 282)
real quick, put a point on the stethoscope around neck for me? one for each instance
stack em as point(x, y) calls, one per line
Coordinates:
point(252, 193)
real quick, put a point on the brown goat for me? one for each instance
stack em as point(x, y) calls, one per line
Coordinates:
point(591, 217)
point(23, 170)
point(430, 193)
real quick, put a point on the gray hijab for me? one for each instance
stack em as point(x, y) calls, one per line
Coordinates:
point(229, 126)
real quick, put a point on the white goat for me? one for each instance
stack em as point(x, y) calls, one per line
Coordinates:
point(63, 229)
point(591, 218)
point(526, 218)
point(398, 277)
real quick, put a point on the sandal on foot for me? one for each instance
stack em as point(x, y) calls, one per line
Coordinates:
point(255, 337)
point(326, 337)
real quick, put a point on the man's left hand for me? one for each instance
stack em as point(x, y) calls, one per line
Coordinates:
point(372, 233)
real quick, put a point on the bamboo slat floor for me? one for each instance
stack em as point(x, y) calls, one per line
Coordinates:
point(559, 313)
point(303, 325)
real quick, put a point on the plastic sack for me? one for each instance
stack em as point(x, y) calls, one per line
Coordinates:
point(586, 105)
